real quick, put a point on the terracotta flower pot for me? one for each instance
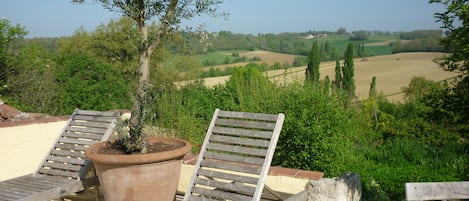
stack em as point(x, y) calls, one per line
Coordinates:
point(150, 176)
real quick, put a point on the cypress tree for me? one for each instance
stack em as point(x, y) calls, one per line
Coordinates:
point(338, 75)
point(348, 82)
point(312, 71)
point(372, 92)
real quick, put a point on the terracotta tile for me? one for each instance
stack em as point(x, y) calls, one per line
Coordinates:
point(312, 175)
point(285, 172)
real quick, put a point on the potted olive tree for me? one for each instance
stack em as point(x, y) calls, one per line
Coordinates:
point(127, 176)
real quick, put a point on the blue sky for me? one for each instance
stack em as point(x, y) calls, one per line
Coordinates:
point(55, 18)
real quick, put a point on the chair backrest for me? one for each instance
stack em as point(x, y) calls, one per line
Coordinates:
point(235, 157)
point(66, 157)
point(437, 190)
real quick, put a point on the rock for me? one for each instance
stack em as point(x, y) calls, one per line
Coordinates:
point(346, 187)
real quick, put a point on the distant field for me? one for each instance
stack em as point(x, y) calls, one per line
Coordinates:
point(392, 71)
point(266, 57)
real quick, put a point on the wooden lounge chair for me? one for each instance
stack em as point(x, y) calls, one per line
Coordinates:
point(64, 169)
point(437, 190)
point(235, 156)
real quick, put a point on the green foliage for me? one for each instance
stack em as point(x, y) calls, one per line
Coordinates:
point(312, 70)
point(87, 83)
point(348, 72)
point(32, 81)
point(7, 34)
point(419, 87)
point(421, 34)
point(359, 36)
point(418, 45)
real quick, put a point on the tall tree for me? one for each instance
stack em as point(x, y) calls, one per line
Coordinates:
point(314, 59)
point(348, 71)
point(372, 92)
point(168, 14)
point(338, 75)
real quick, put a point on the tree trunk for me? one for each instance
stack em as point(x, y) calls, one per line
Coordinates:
point(137, 119)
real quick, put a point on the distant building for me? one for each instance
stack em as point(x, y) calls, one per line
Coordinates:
point(311, 36)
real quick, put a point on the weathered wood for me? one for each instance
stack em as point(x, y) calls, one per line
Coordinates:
point(231, 167)
point(245, 124)
point(236, 144)
point(227, 176)
point(242, 132)
point(65, 159)
point(74, 147)
point(233, 187)
point(63, 169)
point(234, 158)
point(221, 194)
point(76, 141)
point(86, 130)
point(68, 153)
point(96, 113)
point(89, 124)
point(239, 141)
point(94, 118)
point(237, 149)
point(248, 115)
point(63, 166)
point(437, 190)
point(56, 172)
point(86, 136)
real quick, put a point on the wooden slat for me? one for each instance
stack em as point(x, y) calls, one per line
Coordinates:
point(89, 124)
point(86, 130)
point(437, 190)
point(242, 132)
point(76, 141)
point(96, 113)
point(56, 172)
point(232, 167)
point(237, 149)
point(248, 115)
point(71, 147)
point(240, 141)
point(65, 159)
point(63, 166)
point(227, 176)
point(68, 153)
point(234, 158)
point(94, 118)
point(83, 135)
point(245, 124)
point(229, 187)
point(221, 194)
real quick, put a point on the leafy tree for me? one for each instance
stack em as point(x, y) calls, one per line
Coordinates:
point(341, 31)
point(88, 83)
point(456, 21)
point(312, 71)
point(419, 87)
point(7, 34)
point(169, 14)
point(348, 71)
point(33, 83)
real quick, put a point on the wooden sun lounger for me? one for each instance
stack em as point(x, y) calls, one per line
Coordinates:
point(235, 156)
point(64, 169)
